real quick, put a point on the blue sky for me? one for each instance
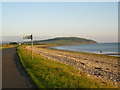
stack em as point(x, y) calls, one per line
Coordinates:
point(93, 20)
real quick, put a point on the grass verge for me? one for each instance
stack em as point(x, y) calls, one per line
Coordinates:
point(50, 74)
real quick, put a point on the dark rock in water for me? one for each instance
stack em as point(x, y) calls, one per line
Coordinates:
point(98, 68)
point(83, 63)
point(107, 68)
point(98, 74)
point(96, 61)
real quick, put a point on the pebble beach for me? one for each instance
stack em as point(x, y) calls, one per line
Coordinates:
point(99, 66)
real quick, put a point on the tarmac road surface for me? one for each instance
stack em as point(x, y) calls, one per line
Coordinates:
point(13, 74)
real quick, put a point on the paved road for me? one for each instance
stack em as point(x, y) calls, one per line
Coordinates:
point(13, 75)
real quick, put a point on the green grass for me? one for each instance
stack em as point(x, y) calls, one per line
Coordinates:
point(50, 74)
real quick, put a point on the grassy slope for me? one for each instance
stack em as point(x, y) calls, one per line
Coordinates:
point(64, 41)
point(50, 74)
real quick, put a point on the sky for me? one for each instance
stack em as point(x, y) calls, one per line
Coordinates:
point(92, 20)
point(60, 0)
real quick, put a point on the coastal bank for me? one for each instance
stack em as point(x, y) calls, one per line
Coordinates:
point(101, 67)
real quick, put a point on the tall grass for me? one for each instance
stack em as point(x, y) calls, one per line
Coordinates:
point(50, 74)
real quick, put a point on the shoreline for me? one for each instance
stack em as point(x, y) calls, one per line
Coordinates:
point(107, 53)
point(100, 66)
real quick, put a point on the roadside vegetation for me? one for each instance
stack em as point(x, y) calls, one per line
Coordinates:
point(7, 46)
point(47, 73)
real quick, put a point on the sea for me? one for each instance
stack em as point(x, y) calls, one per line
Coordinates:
point(111, 49)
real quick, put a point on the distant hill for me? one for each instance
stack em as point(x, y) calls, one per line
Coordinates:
point(65, 40)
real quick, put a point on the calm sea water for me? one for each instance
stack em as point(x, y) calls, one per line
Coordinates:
point(93, 48)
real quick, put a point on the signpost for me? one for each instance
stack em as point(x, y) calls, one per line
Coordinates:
point(30, 37)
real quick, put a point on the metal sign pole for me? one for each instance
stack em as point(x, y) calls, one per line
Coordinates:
point(32, 45)
point(30, 37)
